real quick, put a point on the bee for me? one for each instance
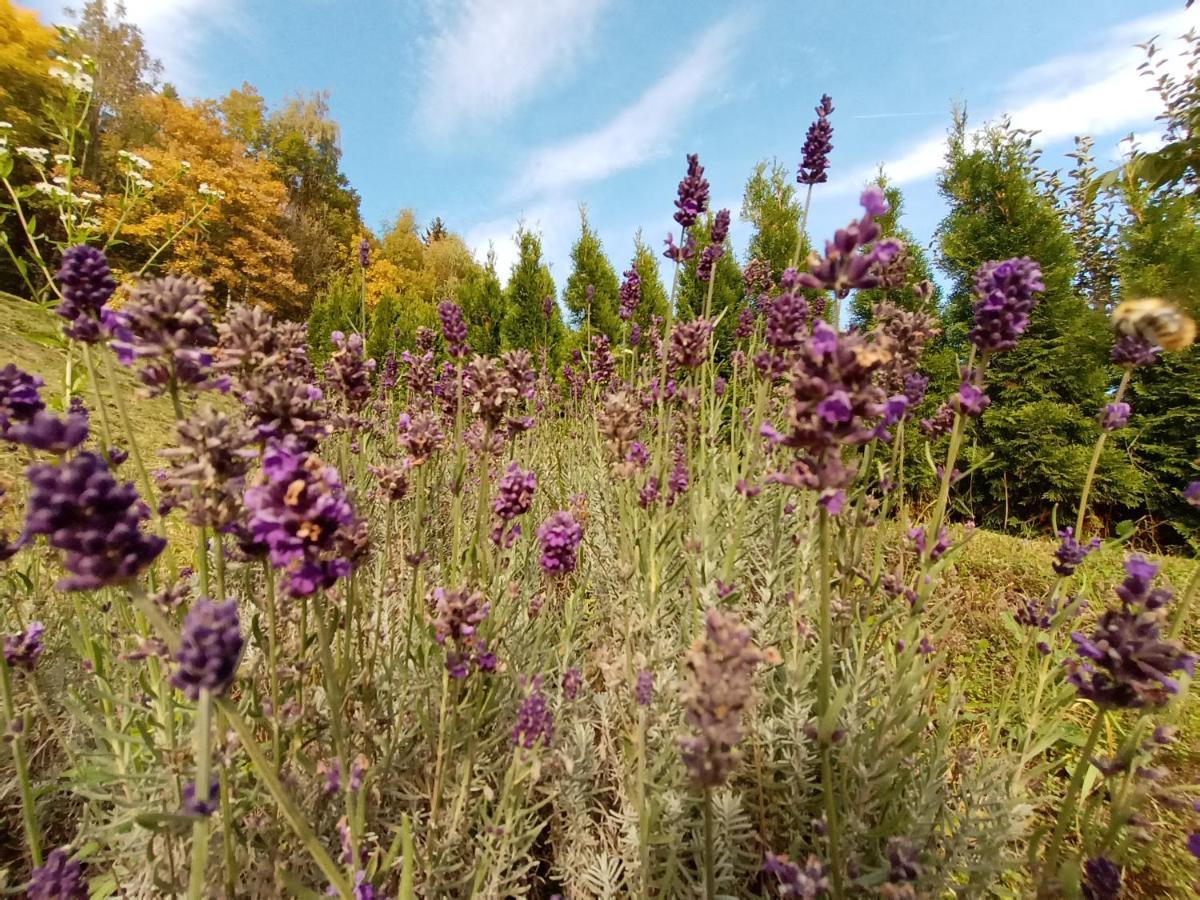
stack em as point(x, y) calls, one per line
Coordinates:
point(1156, 320)
point(872, 355)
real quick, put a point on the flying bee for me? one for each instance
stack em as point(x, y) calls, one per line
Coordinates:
point(872, 355)
point(1155, 320)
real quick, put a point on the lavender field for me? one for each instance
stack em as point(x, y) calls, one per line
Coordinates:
point(820, 566)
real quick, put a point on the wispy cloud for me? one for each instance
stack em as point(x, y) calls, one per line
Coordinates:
point(643, 130)
point(175, 30)
point(557, 220)
point(486, 57)
point(1099, 92)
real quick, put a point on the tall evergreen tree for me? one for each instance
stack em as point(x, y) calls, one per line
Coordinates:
point(529, 292)
point(592, 270)
point(772, 205)
point(913, 264)
point(382, 334)
point(482, 300)
point(1034, 443)
point(654, 293)
point(1159, 256)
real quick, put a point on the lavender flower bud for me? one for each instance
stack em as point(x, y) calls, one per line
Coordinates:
point(21, 650)
point(1071, 553)
point(1115, 416)
point(58, 878)
point(535, 722)
point(693, 194)
point(720, 666)
point(818, 144)
point(86, 283)
point(364, 253)
point(1101, 880)
point(1006, 293)
point(560, 537)
point(20, 396)
point(631, 294)
point(195, 806)
point(806, 883)
point(571, 682)
point(81, 509)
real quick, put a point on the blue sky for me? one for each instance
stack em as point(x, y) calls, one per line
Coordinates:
point(489, 112)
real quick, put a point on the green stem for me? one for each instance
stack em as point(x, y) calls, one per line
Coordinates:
point(203, 732)
point(710, 880)
point(1095, 463)
point(290, 811)
point(824, 698)
point(28, 812)
point(1067, 811)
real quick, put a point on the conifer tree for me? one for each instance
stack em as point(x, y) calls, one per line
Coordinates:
point(1159, 256)
point(654, 293)
point(382, 335)
point(591, 294)
point(531, 316)
point(771, 204)
point(1034, 443)
point(482, 300)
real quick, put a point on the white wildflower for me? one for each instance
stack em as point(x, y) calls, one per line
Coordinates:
point(91, 197)
point(62, 159)
point(5, 126)
point(185, 165)
point(60, 180)
point(82, 82)
point(205, 191)
point(50, 190)
point(35, 154)
point(144, 183)
point(92, 224)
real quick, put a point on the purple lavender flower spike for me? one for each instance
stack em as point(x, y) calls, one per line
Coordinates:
point(514, 497)
point(21, 650)
point(454, 328)
point(1125, 662)
point(1115, 416)
point(643, 691)
point(201, 807)
point(1071, 553)
point(693, 194)
point(457, 615)
point(301, 513)
point(49, 433)
point(720, 666)
point(805, 883)
point(970, 400)
point(1101, 879)
point(818, 143)
point(364, 253)
point(716, 247)
point(58, 878)
point(1192, 494)
point(81, 509)
point(86, 283)
point(1006, 294)
point(560, 537)
point(535, 722)
point(571, 682)
point(20, 396)
point(631, 294)
point(210, 649)
point(1134, 351)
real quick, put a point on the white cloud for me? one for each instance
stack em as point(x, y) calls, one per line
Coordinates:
point(175, 30)
point(557, 220)
point(641, 131)
point(1099, 92)
point(486, 57)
